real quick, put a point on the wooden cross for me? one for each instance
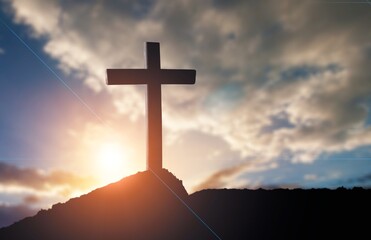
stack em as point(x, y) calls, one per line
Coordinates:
point(153, 77)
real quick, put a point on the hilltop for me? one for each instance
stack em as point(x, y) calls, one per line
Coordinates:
point(142, 206)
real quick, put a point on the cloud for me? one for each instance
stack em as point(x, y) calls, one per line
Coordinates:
point(217, 180)
point(24, 190)
point(272, 77)
point(281, 186)
point(38, 180)
point(226, 177)
point(31, 199)
point(2, 51)
point(310, 177)
point(364, 181)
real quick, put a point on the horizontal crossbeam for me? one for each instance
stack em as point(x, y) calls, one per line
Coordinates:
point(147, 76)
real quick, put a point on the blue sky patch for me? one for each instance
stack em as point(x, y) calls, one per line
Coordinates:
point(225, 96)
point(304, 72)
point(331, 171)
point(278, 121)
point(301, 72)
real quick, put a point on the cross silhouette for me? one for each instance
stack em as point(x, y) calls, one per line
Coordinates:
point(153, 77)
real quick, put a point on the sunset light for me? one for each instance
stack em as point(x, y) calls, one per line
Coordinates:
point(112, 162)
point(221, 94)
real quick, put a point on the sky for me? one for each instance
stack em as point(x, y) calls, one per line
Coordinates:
point(282, 96)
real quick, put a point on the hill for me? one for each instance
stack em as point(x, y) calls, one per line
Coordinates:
point(142, 206)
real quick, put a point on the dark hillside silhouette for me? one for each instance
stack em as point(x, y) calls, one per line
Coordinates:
point(142, 207)
point(285, 214)
point(137, 207)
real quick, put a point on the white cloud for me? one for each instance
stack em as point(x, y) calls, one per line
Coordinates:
point(310, 177)
point(42, 16)
point(298, 59)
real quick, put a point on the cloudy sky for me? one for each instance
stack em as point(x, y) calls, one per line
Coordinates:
point(282, 96)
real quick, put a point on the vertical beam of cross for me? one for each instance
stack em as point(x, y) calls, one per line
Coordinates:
point(153, 77)
point(154, 111)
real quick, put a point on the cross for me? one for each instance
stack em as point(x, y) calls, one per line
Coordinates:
point(153, 77)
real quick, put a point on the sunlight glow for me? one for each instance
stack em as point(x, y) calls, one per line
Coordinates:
point(112, 162)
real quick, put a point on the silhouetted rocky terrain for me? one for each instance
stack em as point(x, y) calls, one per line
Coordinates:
point(141, 206)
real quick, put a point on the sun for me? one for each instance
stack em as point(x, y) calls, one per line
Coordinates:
point(112, 162)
